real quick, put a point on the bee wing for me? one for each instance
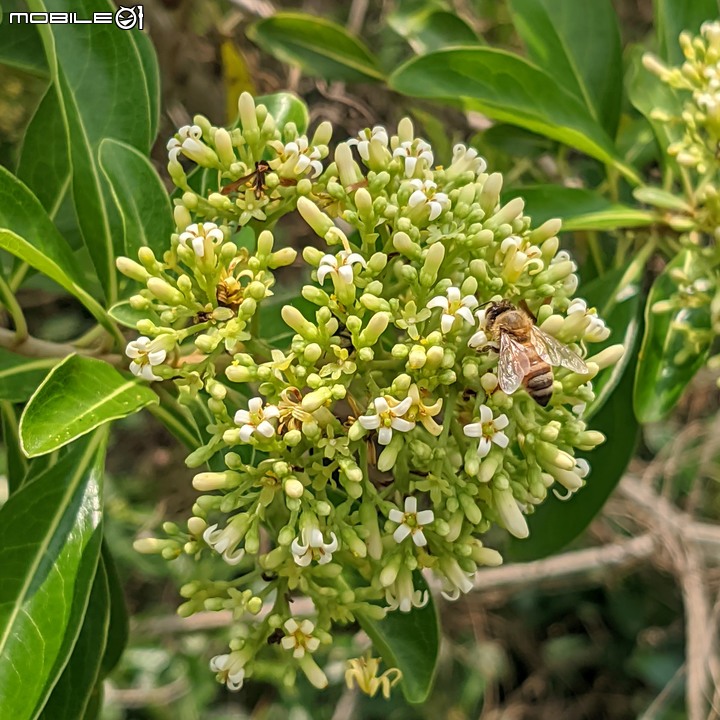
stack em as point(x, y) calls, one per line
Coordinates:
point(554, 352)
point(237, 184)
point(513, 364)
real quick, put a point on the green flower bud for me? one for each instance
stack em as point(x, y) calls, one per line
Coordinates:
point(433, 260)
point(294, 319)
point(374, 329)
point(510, 514)
point(224, 147)
point(165, 292)
point(314, 217)
point(131, 269)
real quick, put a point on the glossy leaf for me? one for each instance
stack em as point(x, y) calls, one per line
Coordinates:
point(431, 29)
point(125, 315)
point(118, 627)
point(286, 107)
point(44, 164)
point(510, 89)
point(556, 523)
point(50, 532)
point(410, 642)
point(151, 76)
point(617, 296)
point(20, 46)
point(20, 375)
point(320, 47)
point(676, 342)
point(578, 43)
point(79, 395)
point(674, 16)
point(27, 232)
point(579, 209)
point(117, 83)
point(140, 198)
point(71, 695)
point(648, 93)
point(17, 463)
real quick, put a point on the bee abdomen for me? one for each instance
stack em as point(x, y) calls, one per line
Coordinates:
point(539, 384)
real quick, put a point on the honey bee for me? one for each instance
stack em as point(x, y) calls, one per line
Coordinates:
point(526, 352)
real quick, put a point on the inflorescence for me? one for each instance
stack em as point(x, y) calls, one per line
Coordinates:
point(376, 442)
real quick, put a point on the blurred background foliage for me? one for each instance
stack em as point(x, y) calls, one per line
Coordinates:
point(604, 631)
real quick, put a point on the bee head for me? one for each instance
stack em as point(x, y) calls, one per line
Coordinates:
point(495, 310)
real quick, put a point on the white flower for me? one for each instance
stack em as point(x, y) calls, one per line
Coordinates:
point(299, 637)
point(387, 419)
point(578, 305)
point(229, 670)
point(413, 151)
point(313, 548)
point(256, 419)
point(454, 306)
point(225, 541)
point(411, 522)
point(365, 137)
point(518, 255)
point(479, 338)
point(454, 579)
point(190, 136)
point(424, 194)
point(489, 430)
point(144, 357)
point(465, 159)
point(296, 156)
point(596, 331)
point(402, 594)
point(339, 265)
point(195, 236)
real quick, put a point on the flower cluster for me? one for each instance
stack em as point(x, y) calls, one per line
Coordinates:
point(376, 441)
point(700, 115)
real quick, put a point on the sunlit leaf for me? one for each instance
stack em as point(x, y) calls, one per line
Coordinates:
point(320, 47)
point(79, 395)
point(286, 107)
point(50, 533)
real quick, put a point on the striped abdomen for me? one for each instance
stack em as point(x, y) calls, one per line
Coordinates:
point(538, 381)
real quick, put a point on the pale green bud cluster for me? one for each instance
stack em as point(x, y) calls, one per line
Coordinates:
point(375, 442)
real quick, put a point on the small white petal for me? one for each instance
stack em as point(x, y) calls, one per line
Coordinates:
point(438, 301)
point(419, 538)
point(485, 414)
point(483, 447)
point(501, 422)
point(435, 210)
point(271, 411)
point(401, 533)
point(466, 315)
point(246, 432)
point(402, 425)
point(402, 407)
point(410, 505)
point(322, 273)
point(303, 560)
point(345, 273)
point(157, 357)
point(410, 163)
point(255, 404)
point(355, 258)
point(287, 642)
point(417, 198)
point(446, 323)
point(473, 430)
point(501, 439)
point(369, 422)
point(381, 405)
point(395, 515)
point(146, 373)
point(425, 517)
point(384, 435)
point(242, 417)
point(266, 429)
point(333, 545)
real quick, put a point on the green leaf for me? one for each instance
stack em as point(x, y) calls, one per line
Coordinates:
point(177, 419)
point(409, 642)
point(556, 523)
point(17, 463)
point(617, 296)
point(151, 73)
point(27, 232)
point(286, 107)
point(44, 164)
point(118, 628)
point(674, 16)
point(579, 209)
point(20, 46)
point(510, 89)
point(50, 532)
point(79, 395)
point(648, 93)
point(676, 341)
point(431, 29)
point(124, 314)
point(140, 197)
point(20, 375)
point(110, 101)
point(71, 695)
point(578, 43)
point(320, 47)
